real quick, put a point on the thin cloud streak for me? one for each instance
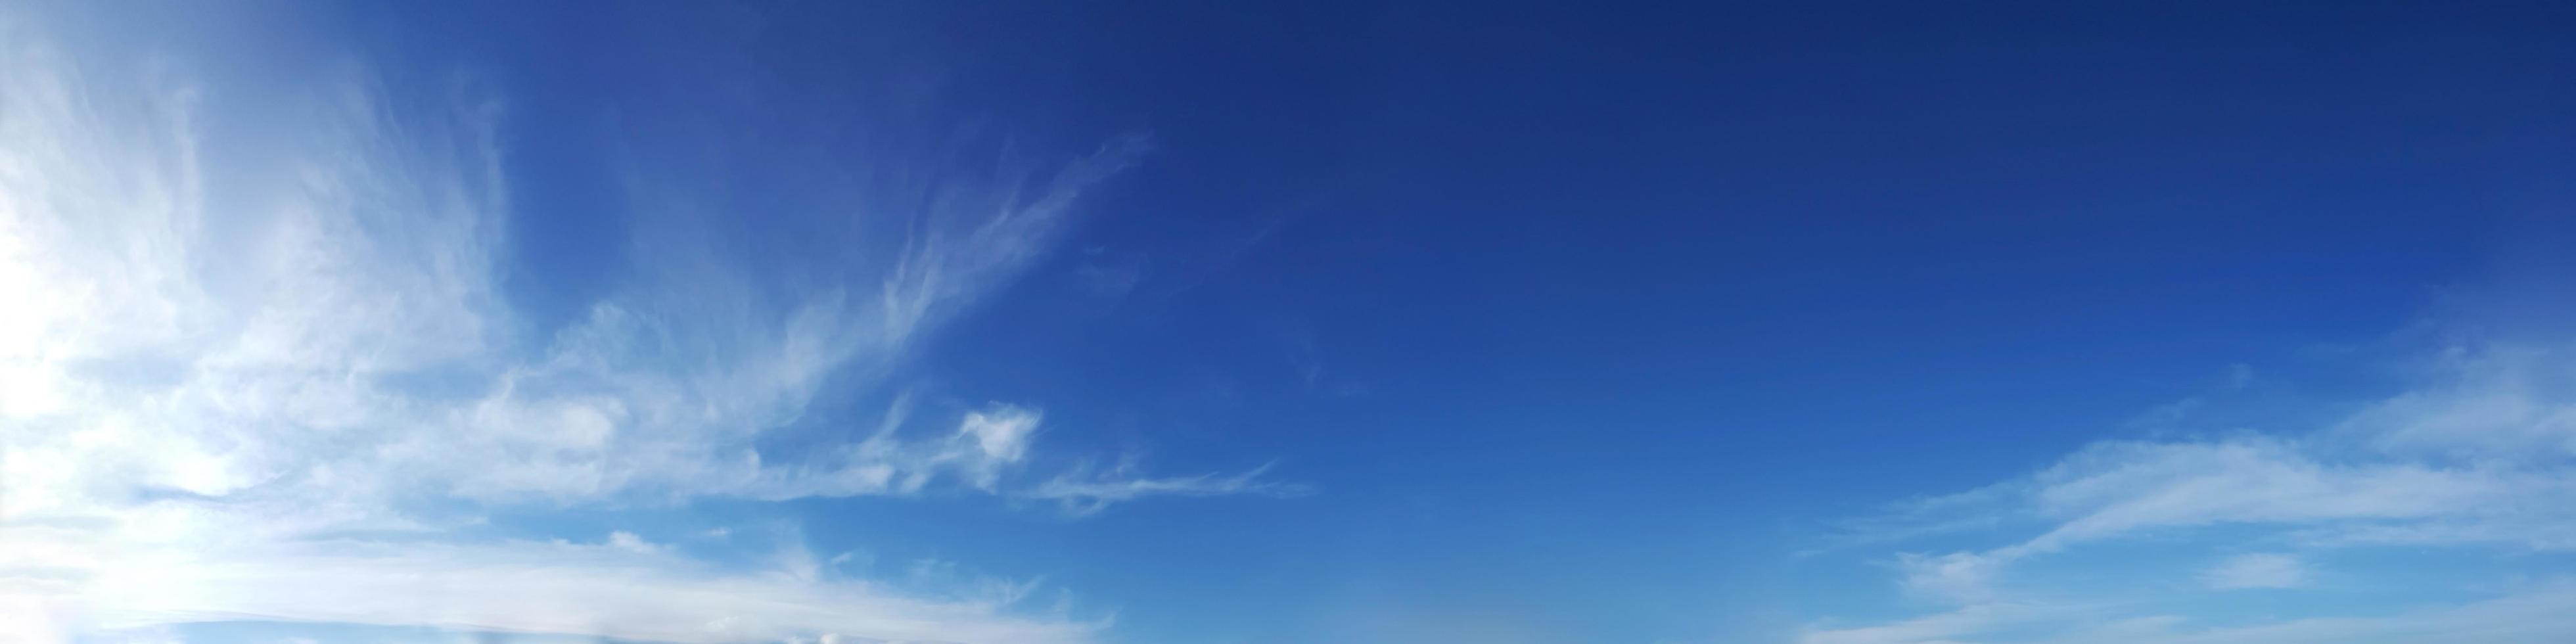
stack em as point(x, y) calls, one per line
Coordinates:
point(1086, 495)
point(623, 589)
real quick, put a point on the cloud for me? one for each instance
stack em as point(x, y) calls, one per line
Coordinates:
point(995, 438)
point(2118, 489)
point(2474, 455)
point(1929, 629)
point(2114, 489)
point(2534, 614)
point(2512, 403)
point(1957, 576)
point(629, 542)
point(276, 376)
point(1084, 494)
point(2258, 570)
point(614, 589)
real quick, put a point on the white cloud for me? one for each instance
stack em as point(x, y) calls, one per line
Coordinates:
point(2257, 570)
point(2117, 489)
point(2512, 403)
point(1085, 494)
point(1930, 629)
point(2113, 489)
point(220, 365)
point(628, 541)
point(2477, 455)
point(993, 439)
point(2533, 614)
point(616, 589)
point(852, 558)
point(1957, 577)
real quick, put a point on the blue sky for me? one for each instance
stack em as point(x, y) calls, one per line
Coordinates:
point(1041, 323)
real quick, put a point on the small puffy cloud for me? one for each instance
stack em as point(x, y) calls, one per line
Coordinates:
point(1001, 432)
point(992, 439)
point(627, 541)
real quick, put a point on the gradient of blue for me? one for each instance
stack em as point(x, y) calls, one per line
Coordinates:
point(1583, 320)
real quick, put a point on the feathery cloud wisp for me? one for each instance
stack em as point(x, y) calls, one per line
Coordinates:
point(272, 381)
point(2477, 455)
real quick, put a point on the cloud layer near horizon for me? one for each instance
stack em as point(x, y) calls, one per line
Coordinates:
point(2478, 455)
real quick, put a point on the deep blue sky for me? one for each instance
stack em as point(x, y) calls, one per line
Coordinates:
point(1565, 323)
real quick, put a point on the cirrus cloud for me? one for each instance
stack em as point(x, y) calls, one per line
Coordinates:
point(283, 381)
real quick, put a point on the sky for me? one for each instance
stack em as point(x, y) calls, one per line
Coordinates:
point(1283, 323)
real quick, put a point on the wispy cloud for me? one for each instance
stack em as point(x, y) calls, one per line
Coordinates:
point(621, 589)
point(2534, 614)
point(2258, 570)
point(1083, 493)
point(2478, 454)
point(225, 367)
